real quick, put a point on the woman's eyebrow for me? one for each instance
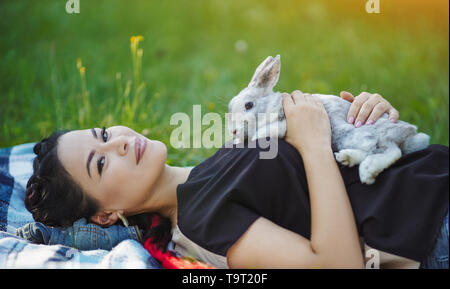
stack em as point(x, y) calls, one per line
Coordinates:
point(91, 154)
point(94, 133)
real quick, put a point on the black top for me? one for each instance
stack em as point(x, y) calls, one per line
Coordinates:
point(401, 213)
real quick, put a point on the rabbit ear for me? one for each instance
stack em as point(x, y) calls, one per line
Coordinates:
point(267, 73)
point(258, 70)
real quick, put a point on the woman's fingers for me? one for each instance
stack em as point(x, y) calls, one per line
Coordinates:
point(318, 102)
point(377, 112)
point(393, 114)
point(287, 100)
point(298, 97)
point(356, 106)
point(347, 96)
point(313, 99)
point(309, 98)
point(367, 108)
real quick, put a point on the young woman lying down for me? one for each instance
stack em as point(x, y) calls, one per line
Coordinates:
point(235, 210)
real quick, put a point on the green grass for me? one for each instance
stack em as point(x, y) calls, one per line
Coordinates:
point(189, 57)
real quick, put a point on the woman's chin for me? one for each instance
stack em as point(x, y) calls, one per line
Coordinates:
point(153, 162)
point(156, 152)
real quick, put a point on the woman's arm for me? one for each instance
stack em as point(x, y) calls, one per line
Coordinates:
point(265, 245)
point(333, 230)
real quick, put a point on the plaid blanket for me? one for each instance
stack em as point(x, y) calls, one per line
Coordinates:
point(18, 253)
point(15, 170)
point(16, 167)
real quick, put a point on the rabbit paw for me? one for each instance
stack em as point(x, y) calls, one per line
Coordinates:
point(350, 157)
point(374, 164)
point(367, 176)
point(369, 169)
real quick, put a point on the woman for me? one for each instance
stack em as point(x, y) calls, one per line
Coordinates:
point(236, 210)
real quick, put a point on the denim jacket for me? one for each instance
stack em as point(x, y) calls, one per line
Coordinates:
point(81, 235)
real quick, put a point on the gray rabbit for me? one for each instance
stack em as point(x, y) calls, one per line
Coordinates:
point(257, 112)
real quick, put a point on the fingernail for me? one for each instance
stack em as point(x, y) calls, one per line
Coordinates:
point(369, 122)
point(351, 119)
point(358, 124)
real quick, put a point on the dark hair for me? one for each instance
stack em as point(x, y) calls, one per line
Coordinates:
point(55, 199)
point(52, 196)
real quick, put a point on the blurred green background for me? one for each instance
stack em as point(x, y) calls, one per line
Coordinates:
point(204, 52)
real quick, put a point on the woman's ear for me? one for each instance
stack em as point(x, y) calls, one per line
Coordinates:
point(104, 219)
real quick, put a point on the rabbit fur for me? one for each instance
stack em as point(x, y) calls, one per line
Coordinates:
point(257, 112)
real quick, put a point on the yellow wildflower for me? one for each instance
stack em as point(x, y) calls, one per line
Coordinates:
point(136, 39)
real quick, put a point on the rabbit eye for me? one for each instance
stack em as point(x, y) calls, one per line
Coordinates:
point(248, 105)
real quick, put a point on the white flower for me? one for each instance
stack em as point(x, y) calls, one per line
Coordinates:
point(241, 46)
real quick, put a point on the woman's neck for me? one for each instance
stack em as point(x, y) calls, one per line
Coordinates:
point(163, 196)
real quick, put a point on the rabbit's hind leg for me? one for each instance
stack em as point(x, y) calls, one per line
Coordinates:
point(374, 164)
point(350, 157)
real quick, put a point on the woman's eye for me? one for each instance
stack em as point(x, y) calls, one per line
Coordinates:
point(100, 165)
point(104, 134)
point(248, 105)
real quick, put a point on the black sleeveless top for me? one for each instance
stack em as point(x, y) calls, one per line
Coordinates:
point(401, 213)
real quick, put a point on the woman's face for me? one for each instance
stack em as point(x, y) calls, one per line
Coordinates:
point(106, 165)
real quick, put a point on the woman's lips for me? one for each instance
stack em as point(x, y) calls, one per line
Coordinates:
point(139, 148)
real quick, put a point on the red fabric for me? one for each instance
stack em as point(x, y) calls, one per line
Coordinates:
point(169, 259)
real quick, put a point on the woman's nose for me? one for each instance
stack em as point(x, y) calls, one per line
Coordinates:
point(123, 148)
point(119, 144)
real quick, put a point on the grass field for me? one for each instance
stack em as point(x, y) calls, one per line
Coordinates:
point(61, 71)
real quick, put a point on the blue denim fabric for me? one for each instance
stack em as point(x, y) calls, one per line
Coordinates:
point(438, 258)
point(81, 235)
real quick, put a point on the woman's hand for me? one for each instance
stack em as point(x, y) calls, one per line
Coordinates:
point(367, 108)
point(308, 125)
